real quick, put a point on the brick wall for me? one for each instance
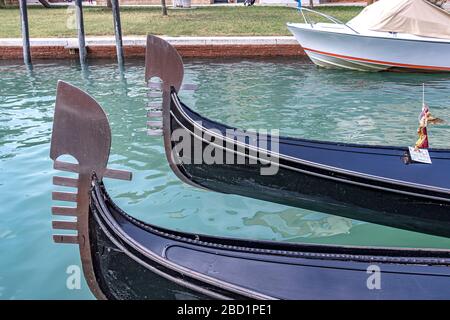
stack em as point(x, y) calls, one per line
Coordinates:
point(194, 51)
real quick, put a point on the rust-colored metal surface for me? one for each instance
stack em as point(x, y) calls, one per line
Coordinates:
point(163, 61)
point(80, 129)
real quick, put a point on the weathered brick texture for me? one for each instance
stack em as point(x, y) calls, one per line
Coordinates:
point(194, 51)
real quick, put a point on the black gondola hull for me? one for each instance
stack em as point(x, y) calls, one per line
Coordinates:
point(324, 195)
point(122, 278)
point(134, 260)
point(318, 186)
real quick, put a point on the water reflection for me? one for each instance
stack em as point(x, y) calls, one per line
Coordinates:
point(293, 224)
point(302, 100)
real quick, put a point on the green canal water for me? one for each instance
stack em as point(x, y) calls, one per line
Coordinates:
point(290, 95)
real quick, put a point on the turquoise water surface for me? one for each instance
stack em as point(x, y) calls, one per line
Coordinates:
point(290, 95)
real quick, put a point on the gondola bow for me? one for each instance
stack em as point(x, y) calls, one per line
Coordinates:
point(378, 184)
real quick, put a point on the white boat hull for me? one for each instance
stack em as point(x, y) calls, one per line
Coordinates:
point(339, 47)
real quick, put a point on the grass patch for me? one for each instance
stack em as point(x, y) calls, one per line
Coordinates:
point(203, 21)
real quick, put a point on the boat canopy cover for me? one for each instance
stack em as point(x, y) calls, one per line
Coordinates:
point(418, 17)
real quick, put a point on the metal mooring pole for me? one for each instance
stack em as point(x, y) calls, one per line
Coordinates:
point(25, 32)
point(80, 27)
point(118, 32)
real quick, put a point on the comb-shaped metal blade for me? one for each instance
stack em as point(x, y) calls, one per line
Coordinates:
point(64, 211)
point(65, 238)
point(64, 225)
point(81, 130)
point(65, 182)
point(108, 173)
point(64, 196)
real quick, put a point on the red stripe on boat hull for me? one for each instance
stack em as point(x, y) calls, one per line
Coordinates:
point(392, 64)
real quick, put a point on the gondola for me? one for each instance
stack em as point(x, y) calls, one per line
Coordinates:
point(124, 258)
point(378, 184)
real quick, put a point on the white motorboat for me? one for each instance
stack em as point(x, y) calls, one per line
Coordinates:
point(399, 35)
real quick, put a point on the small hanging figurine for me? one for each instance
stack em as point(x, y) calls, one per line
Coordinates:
point(425, 118)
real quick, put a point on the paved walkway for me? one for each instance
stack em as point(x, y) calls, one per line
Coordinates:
point(140, 41)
